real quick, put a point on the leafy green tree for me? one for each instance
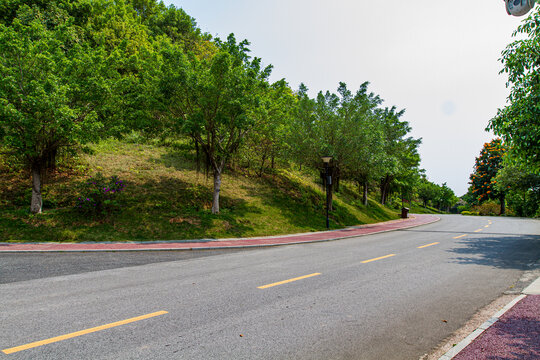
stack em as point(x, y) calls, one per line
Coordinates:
point(50, 86)
point(519, 122)
point(266, 141)
point(214, 99)
point(445, 197)
point(427, 191)
point(521, 186)
point(486, 167)
point(363, 137)
point(70, 73)
point(401, 161)
point(301, 134)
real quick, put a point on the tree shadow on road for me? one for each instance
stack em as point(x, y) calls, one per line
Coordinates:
point(505, 252)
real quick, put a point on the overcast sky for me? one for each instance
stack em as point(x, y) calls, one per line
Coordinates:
point(437, 59)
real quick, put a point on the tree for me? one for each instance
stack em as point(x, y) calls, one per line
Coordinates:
point(50, 86)
point(521, 186)
point(401, 159)
point(427, 191)
point(70, 73)
point(486, 167)
point(300, 135)
point(213, 99)
point(519, 122)
point(363, 137)
point(272, 122)
point(445, 197)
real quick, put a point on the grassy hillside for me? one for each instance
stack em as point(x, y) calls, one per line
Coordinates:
point(166, 198)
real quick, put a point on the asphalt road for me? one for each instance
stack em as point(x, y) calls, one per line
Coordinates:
point(387, 296)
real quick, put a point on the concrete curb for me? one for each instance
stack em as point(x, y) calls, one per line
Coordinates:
point(533, 288)
point(217, 241)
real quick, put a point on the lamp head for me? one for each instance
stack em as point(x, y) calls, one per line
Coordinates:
point(518, 7)
point(326, 159)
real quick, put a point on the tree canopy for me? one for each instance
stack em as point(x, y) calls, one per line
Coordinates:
point(519, 122)
point(76, 71)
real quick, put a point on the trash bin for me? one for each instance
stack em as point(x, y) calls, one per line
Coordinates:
point(404, 213)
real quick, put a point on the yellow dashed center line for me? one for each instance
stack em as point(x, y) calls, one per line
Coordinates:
point(79, 333)
point(288, 281)
point(486, 226)
point(379, 258)
point(424, 246)
point(478, 230)
point(460, 236)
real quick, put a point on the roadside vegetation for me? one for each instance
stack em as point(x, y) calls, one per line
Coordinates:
point(506, 176)
point(124, 120)
point(166, 198)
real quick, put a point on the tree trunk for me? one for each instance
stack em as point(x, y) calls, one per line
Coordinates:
point(384, 189)
point(273, 161)
point(335, 178)
point(364, 193)
point(503, 205)
point(37, 202)
point(197, 155)
point(263, 161)
point(217, 187)
point(51, 159)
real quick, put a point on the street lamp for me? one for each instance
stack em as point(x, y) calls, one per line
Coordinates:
point(328, 180)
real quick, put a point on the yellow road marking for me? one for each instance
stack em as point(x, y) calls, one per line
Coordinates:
point(79, 333)
point(287, 281)
point(478, 230)
point(379, 258)
point(460, 236)
point(486, 226)
point(424, 246)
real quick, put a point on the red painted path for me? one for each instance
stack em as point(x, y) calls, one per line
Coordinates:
point(515, 336)
point(414, 220)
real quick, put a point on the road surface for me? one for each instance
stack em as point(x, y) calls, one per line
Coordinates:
point(393, 295)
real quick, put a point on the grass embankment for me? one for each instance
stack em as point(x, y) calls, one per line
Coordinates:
point(166, 198)
point(417, 208)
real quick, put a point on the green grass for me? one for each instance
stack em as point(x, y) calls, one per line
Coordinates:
point(167, 199)
point(417, 208)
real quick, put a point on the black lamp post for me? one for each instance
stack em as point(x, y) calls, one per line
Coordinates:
point(328, 180)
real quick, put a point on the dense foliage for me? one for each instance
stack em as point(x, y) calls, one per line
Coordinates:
point(518, 181)
point(74, 72)
point(519, 122)
point(438, 196)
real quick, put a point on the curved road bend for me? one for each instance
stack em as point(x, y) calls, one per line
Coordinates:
point(393, 295)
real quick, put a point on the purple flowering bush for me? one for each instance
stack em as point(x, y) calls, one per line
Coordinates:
point(99, 196)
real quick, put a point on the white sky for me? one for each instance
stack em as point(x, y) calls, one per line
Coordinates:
point(437, 59)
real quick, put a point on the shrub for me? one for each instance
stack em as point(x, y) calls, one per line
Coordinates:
point(462, 208)
point(99, 196)
point(471, 213)
point(488, 208)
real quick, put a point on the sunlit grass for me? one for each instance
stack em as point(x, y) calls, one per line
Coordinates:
point(167, 199)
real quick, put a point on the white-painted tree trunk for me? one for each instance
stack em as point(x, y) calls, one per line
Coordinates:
point(37, 202)
point(217, 187)
point(365, 193)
